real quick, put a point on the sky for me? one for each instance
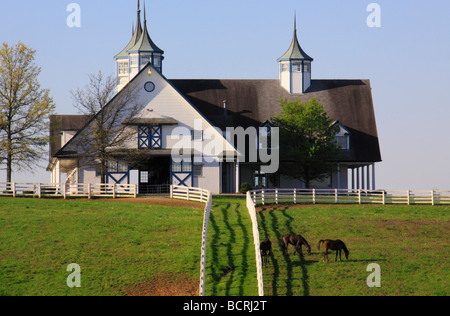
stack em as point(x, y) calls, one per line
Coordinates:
point(406, 57)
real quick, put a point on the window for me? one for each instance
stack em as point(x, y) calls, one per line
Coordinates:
point(182, 166)
point(134, 61)
point(198, 170)
point(296, 67)
point(284, 67)
point(116, 166)
point(123, 68)
point(156, 61)
point(145, 59)
point(343, 142)
point(260, 179)
point(306, 67)
point(144, 177)
point(197, 135)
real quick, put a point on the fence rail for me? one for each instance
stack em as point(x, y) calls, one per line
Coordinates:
point(204, 196)
point(342, 196)
point(65, 190)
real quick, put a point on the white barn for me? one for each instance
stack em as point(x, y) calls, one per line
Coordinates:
point(202, 110)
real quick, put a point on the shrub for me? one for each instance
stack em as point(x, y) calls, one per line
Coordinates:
point(245, 187)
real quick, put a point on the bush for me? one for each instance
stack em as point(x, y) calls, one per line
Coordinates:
point(245, 187)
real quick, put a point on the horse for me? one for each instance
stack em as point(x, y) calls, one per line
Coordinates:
point(297, 241)
point(336, 245)
point(266, 249)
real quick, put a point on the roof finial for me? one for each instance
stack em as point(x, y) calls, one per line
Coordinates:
point(139, 5)
point(145, 14)
point(295, 20)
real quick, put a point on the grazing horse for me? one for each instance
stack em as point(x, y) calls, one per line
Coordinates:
point(336, 245)
point(297, 241)
point(266, 250)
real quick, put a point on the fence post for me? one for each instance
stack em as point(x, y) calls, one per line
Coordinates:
point(171, 191)
point(359, 196)
point(295, 196)
point(432, 197)
point(276, 195)
point(14, 189)
point(263, 197)
point(65, 191)
point(336, 195)
point(384, 197)
point(39, 191)
point(408, 195)
point(89, 191)
point(114, 191)
point(314, 196)
point(135, 191)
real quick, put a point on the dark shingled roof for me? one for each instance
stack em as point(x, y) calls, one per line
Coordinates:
point(59, 123)
point(253, 102)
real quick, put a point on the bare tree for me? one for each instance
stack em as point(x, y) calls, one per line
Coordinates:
point(24, 109)
point(106, 134)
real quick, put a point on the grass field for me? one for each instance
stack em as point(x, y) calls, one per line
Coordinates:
point(127, 248)
point(410, 243)
point(122, 248)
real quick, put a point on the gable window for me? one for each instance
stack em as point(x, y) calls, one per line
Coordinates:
point(343, 142)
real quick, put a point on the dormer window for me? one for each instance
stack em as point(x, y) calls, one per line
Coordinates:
point(342, 136)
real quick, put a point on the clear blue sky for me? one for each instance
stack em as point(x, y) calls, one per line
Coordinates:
point(407, 59)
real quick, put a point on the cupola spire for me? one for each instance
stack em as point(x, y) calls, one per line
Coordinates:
point(295, 66)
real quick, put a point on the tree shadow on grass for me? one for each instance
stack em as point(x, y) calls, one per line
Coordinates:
point(279, 231)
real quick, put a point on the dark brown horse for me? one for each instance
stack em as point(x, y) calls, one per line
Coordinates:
point(266, 250)
point(336, 245)
point(297, 241)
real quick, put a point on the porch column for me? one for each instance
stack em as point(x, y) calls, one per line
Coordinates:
point(338, 176)
point(353, 178)
point(373, 177)
point(357, 179)
point(363, 181)
point(237, 177)
point(368, 177)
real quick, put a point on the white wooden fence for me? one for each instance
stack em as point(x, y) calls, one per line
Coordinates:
point(251, 206)
point(65, 190)
point(342, 196)
point(204, 196)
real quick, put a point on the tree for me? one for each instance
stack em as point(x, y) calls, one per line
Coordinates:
point(24, 109)
point(100, 140)
point(307, 141)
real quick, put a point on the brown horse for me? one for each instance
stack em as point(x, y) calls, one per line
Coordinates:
point(297, 241)
point(336, 245)
point(266, 249)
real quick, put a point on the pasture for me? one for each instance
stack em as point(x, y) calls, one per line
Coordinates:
point(122, 248)
point(128, 248)
point(410, 243)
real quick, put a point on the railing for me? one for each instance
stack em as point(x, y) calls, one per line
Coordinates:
point(204, 196)
point(65, 190)
point(342, 196)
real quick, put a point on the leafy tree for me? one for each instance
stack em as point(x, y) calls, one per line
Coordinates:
point(24, 109)
point(307, 141)
point(106, 134)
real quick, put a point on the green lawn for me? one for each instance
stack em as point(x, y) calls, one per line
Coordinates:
point(121, 245)
point(409, 243)
point(230, 265)
point(118, 245)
